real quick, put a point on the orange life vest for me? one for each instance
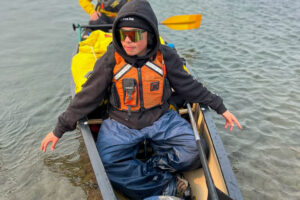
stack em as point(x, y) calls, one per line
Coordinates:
point(136, 89)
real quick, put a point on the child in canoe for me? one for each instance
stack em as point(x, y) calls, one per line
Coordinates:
point(140, 73)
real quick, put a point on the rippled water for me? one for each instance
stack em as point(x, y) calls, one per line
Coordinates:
point(247, 51)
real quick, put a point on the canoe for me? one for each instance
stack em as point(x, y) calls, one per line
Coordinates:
point(217, 160)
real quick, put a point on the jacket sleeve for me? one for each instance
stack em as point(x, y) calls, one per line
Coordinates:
point(87, 6)
point(93, 91)
point(186, 86)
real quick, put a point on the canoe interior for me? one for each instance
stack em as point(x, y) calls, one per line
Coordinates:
point(195, 177)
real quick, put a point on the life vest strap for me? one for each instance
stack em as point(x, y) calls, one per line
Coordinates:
point(155, 68)
point(108, 13)
point(123, 71)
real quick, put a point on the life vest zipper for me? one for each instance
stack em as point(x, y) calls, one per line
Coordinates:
point(141, 89)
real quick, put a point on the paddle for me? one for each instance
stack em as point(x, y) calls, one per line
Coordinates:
point(178, 22)
point(183, 22)
point(209, 182)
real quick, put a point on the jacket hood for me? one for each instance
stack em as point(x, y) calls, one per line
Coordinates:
point(141, 9)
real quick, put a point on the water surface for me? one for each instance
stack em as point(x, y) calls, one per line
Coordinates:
point(246, 51)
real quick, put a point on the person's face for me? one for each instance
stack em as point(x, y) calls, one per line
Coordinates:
point(134, 41)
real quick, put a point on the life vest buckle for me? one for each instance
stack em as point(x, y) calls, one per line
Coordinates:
point(129, 88)
point(129, 85)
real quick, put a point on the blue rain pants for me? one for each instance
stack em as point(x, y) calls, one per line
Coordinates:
point(172, 140)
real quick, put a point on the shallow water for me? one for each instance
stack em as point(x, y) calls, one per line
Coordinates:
point(246, 51)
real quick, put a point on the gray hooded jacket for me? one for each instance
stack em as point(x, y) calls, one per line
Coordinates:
point(95, 88)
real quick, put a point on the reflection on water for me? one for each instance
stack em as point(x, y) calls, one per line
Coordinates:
point(77, 168)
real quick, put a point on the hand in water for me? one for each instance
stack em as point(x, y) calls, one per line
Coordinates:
point(230, 120)
point(50, 137)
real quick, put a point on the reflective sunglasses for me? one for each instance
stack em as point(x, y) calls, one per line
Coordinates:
point(134, 35)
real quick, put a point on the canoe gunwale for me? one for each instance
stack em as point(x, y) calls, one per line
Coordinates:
point(224, 163)
point(99, 170)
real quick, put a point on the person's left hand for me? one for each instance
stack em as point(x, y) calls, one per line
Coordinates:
point(230, 120)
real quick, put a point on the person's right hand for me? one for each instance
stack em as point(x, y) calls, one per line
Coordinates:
point(50, 137)
point(95, 15)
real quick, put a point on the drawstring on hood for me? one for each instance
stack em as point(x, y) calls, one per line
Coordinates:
point(142, 11)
